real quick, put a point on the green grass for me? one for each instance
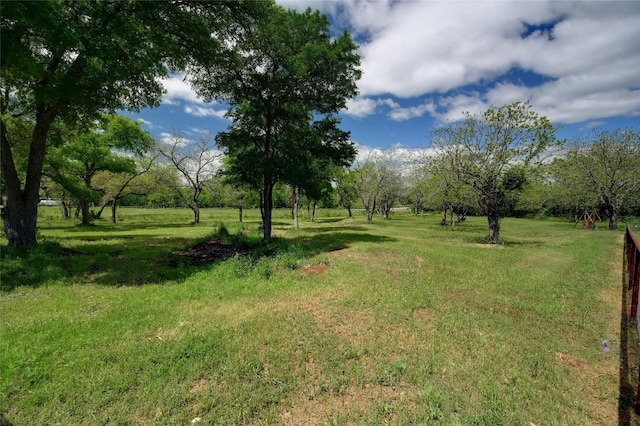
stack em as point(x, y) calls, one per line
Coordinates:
point(340, 322)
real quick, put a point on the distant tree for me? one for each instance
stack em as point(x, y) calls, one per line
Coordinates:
point(446, 191)
point(417, 189)
point(369, 180)
point(345, 188)
point(107, 147)
point(233, 195)
point(607, 165)
point(115, 186)
point(379, 181)
point(163, 178)
point(490, 153)
point(291, 77)
point(392, 191)
point(72, 60)
point(197, 162)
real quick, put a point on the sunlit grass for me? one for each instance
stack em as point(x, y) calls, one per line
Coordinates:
point(406, 322)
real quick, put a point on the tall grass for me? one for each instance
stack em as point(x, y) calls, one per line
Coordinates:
point(340, 322)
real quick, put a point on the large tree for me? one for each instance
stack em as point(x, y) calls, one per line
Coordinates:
point(291, 76)
point(606, 164)
point(490, 152)
point(73, 59)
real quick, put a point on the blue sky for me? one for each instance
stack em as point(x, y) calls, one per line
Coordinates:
point(425, 63)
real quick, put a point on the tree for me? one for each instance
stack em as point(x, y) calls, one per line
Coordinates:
point(417, 187)
point(345, 188)
point(392, 190)
point(291, 77)
point(369, 180)
point(89, 151)
point(116, 186)
point(72, 60)
point(446, 191)
point(379, 181)
point(491, 152)
point(196, 161)
point(607, 165)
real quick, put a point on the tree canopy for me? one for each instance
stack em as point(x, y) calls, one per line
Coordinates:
point(72, 60)
point(605, 164)
point(87, 151)
point(290, 76)
point(491, 152)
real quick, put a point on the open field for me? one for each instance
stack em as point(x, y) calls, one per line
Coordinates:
point(340, 322)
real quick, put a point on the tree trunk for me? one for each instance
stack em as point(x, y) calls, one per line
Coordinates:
point(240, 213)
point(613, 219)
point(295, 200)
point(20, 222)
point(266, 207)
point(196, 213)
point(64, 207)
point(385, 212)
point(444, 215)
point(494, 227)
point(313, 212)
point(349, 210)
point(453, 219)
point(20, 213)
point(370, 212)
point(86, 216)
point(114, 205)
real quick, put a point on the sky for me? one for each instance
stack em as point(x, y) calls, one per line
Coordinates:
point(424, 63)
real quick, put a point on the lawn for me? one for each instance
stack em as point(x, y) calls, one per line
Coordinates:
point(340, 322)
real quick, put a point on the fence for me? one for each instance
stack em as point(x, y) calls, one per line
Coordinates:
point(632, 258)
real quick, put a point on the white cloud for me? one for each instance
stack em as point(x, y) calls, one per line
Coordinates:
point(402, 114)
point(146, 122)
point(200, 111)
point(361, 107)
point(177, 89)
point(591, 57)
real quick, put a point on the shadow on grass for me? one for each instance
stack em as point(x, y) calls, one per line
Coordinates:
point(119, 227)
point(135, 260)
point(628, 356)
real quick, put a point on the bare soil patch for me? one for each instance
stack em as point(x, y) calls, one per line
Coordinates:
point(571, 361)
point(314, 269)
point(209, 251)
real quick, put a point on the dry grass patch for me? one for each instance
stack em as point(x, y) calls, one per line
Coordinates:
point(348, 408)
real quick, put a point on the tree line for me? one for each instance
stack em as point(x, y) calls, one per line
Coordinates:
point(473, 166)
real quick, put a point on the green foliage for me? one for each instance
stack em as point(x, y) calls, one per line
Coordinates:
point(603, 167)
point(491, 152)
point(87, 151)
point(291, 77)
point(73, 60)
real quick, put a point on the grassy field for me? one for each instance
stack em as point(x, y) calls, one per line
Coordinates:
point(340, 322)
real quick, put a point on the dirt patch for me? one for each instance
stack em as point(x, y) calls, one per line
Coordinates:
point(314, 269)
point(351, 404)
point(199, 385)
point(571, 361)
point(421, 313)
point(209, 251)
